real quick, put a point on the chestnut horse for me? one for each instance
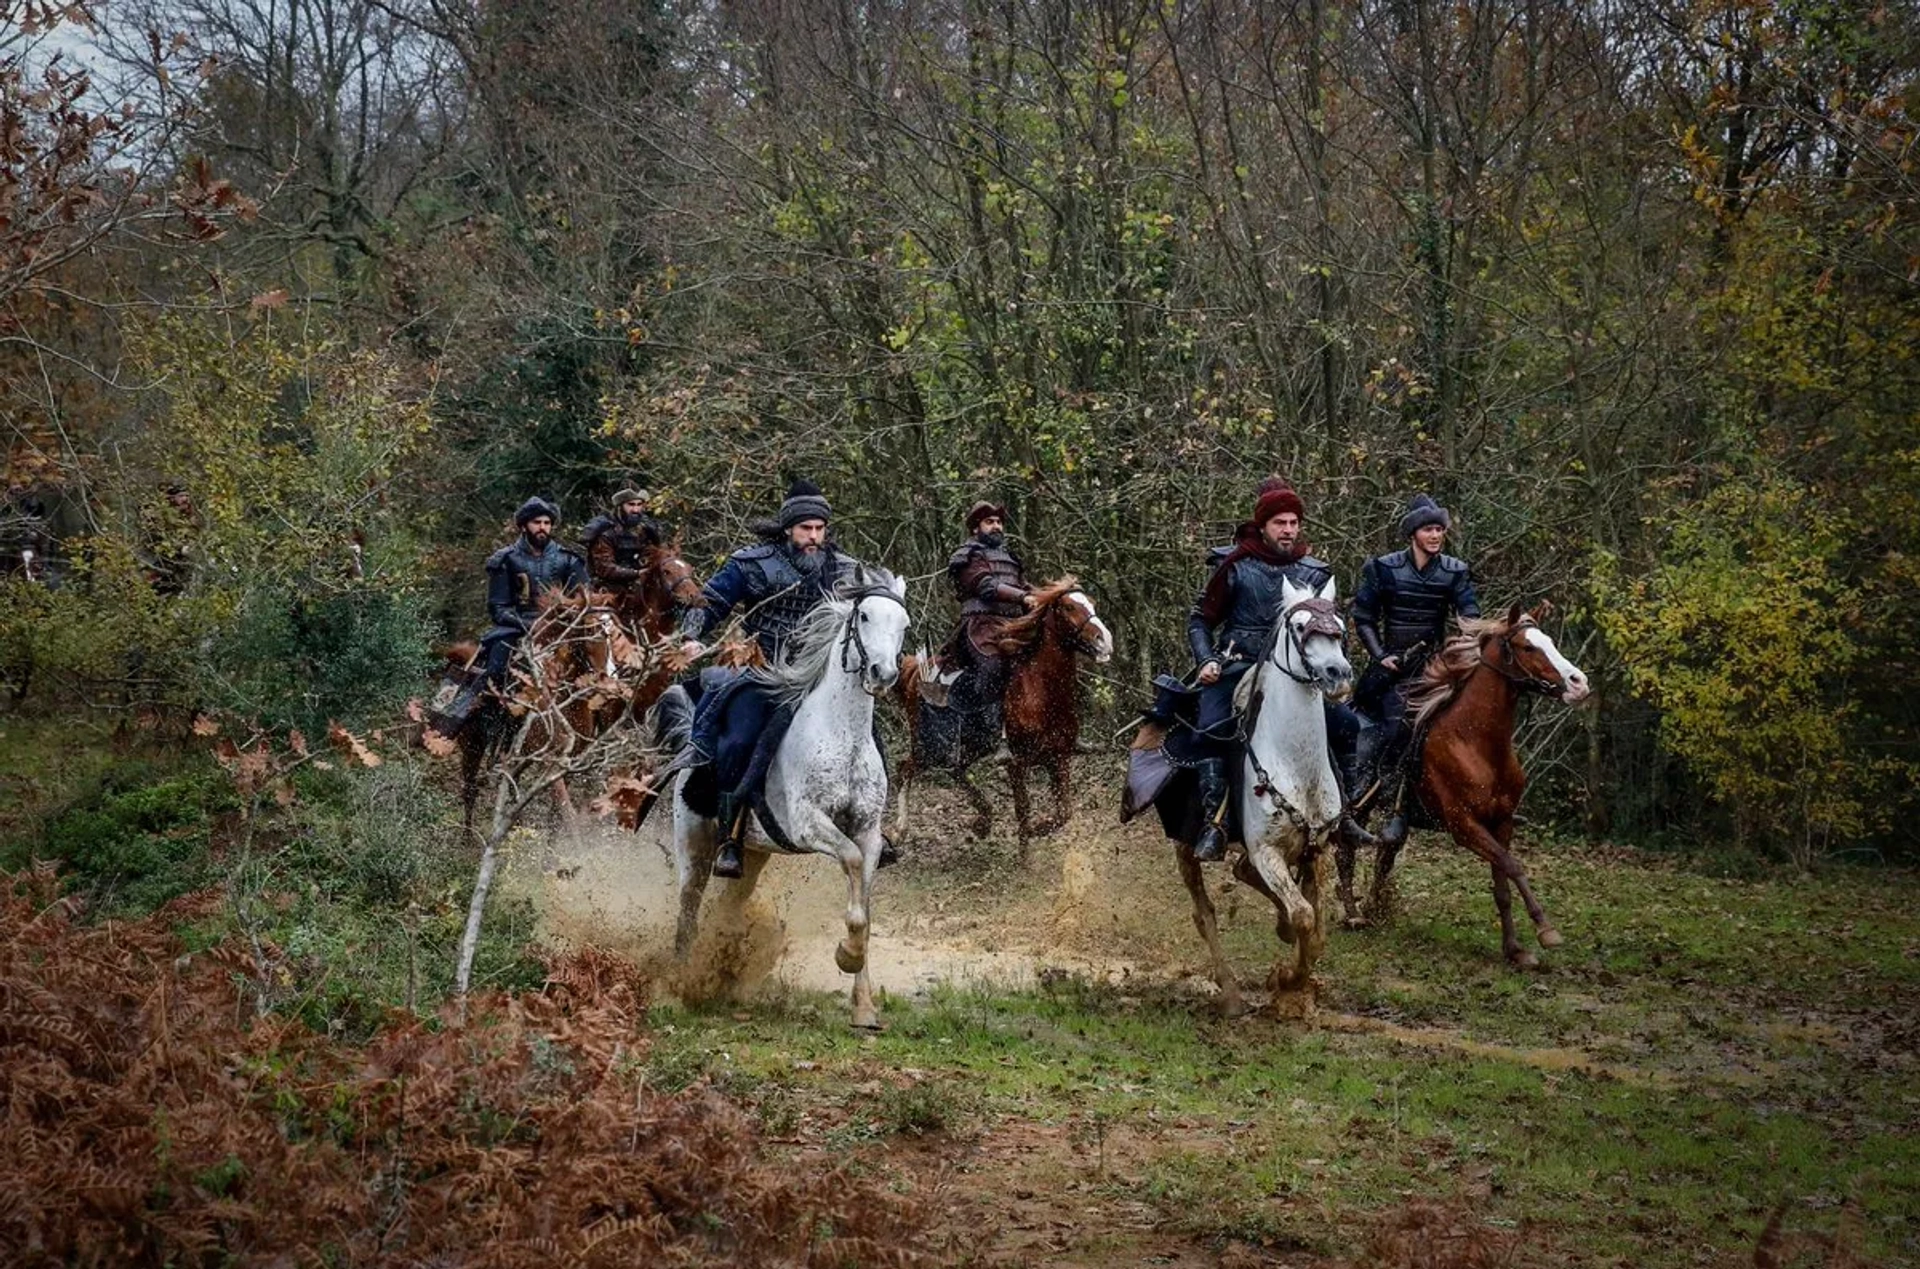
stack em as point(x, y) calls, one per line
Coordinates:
point(1040, 713)
point(1469, 778)
point(570, 662)
point(651, 608)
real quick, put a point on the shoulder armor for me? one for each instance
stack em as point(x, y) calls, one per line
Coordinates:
point(595, 527)
point(498, 560)
point(1217, 555)
point(1393, 559)
point(1453, 564)
point(1314, 561)
point(963, 554)
point(564, 549)
point(763, 551)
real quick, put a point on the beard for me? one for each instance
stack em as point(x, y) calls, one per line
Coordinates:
point(538, 541)
point(993, 541)
point(630, 519)
point(806, 558)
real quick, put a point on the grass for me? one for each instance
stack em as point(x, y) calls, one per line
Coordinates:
point(1700, 1048)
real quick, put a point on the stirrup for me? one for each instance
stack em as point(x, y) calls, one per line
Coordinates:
point(889, 853)
point(1211, 846)
point(1394, 831)
point(729, 863)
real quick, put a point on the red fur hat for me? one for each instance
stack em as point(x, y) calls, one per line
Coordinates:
point(1276, 496)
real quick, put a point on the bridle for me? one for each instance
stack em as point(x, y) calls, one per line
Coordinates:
point(1077, 626)
point(1323, 619)
point(1525, 682)
point(851, 644)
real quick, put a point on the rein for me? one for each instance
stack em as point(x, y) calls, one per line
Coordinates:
point(850, 641)
point(1525, 682)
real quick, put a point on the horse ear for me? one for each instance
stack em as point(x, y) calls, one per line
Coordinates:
point(1541, 611)
point(1513, 614)
point(1327, 591)
point(898, 585)
point(1290, 594)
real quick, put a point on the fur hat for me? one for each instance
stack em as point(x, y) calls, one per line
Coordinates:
point(1276, 500)
point(533, 508)
point(631, 494)
point(1421, 512)
point(982, 510)
point(804, 502)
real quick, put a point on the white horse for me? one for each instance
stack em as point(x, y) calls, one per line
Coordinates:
point(827, 788)
point(1288, 797)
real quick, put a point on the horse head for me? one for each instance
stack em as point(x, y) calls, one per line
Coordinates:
point(1073, 615)
point(874, 629)
point(1523, 653)
point(1309, 641)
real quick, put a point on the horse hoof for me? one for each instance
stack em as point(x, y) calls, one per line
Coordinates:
point(1521, 958)
point(1233, 1007)
point(849, 961)
point(1356, 921)
point(867, 1019)
point(1550, 937)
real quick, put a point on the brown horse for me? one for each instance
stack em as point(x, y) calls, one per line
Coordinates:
point(568, 669)
point(1469, 778)
point(651, 607)
point(1040, 713)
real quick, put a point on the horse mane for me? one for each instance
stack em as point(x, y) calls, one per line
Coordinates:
point(803, 660)
point(1445, 671)
point(1022, 632)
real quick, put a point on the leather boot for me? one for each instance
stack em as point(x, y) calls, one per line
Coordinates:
point(1392, 796)
point(730, 863)
point(1211, 846)
point(889, 853)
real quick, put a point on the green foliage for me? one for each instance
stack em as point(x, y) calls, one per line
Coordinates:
point(140, 837)
point(1743, 635)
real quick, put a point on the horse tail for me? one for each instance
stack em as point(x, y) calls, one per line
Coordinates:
point(460, 655)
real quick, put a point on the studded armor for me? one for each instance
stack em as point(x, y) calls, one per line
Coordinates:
point(1255, 585)
point(988, 580)
point(517, 575)
point(1398, 605)
point(777, 593)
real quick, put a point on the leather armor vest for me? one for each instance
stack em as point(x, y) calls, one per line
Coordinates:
point(977, 571)
point(779, 594)
point(1256, 588)
point(528, 574)
point(1399, 606)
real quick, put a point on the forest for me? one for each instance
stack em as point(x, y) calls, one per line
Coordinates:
point(300, 299)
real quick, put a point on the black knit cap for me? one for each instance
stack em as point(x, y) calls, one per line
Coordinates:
point(804, 502)
point(533, 508)
point(1421, 512)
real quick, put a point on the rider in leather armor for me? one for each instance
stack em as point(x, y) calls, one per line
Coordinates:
point(780, 581)
point(518, 574)
point(1228, 631)
point(617, 544)
point(991, 585)
point(1401, 611)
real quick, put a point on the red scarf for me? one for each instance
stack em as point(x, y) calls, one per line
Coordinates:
point(1248, 543)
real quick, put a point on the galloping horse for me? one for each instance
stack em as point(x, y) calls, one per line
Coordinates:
point(827, 789)
point(1470, 781)
point(1041, 712)
point(577, 642)
point(1289, 801)
point(651, 608)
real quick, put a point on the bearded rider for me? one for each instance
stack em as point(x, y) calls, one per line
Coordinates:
point(1401, 611)
point(519, 574)
point(991, 584)
point(1229, 629)
point(617, 544)
point(780, 581)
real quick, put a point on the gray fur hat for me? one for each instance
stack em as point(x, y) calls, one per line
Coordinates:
point(1421, 512)
point(632, 493)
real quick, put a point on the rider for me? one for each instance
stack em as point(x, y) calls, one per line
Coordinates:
point(780, 580)
point(1401, 611)
point(517, 575)
point(991, 585)
point(617, 545)
point(1229, 629)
